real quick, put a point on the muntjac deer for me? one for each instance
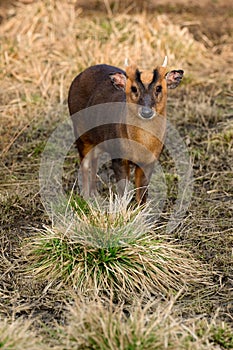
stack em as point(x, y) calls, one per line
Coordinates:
point(137, 132)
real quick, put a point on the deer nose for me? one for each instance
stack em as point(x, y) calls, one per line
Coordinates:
point(146, 112)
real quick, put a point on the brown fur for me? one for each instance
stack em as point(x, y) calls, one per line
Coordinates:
point(144, 124)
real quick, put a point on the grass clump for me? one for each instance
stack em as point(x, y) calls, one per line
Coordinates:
point(222, 335)
point(17, 336)
point(101, 325)
point(109, 248)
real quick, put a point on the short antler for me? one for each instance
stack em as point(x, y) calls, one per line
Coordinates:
point(165, 62)
point(126, 62)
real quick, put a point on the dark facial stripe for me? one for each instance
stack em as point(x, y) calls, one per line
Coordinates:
point(155, 77)
point(138, 78)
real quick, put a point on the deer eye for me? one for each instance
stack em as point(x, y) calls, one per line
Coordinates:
point(158, 89)
point(134, 89)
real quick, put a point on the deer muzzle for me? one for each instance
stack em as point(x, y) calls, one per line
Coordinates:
point(146, 112)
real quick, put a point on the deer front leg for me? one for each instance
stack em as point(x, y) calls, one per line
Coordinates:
point(142, 178)
point(122, 171)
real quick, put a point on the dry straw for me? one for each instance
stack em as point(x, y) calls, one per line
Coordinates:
point(112, 247)
point(47, 43)
point(95, 324)
point(17, 335)
point(43, 46)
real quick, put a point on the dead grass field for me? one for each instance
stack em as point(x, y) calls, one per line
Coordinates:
point(44, 44)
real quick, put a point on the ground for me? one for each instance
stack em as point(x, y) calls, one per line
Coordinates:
point(43, 46)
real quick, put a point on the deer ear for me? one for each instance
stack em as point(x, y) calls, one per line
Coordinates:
point(118, 80)
point(174, 78)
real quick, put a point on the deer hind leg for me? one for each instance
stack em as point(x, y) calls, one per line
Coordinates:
point(122, 172)
point(93, 171)
point(88, 169)
point(142, 178)
point(84, 169)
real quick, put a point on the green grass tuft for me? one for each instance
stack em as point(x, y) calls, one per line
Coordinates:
point(100, 325)
point(112, 247)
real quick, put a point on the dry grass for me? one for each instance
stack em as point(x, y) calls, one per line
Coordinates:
point(91, 325)
point(43, 46)
point(39, 58)
point(112, 248)
point(17, 335)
